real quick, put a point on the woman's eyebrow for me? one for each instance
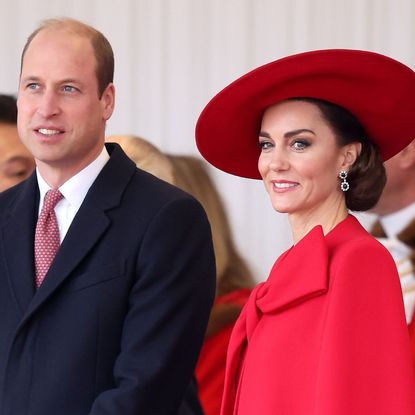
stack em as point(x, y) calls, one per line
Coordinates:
point(288, 134)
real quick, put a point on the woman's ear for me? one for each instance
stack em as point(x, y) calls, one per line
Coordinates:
point(350, 154)
point(407, 156)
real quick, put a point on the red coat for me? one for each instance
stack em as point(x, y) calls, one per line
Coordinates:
point(325, 335)
point(411, 328)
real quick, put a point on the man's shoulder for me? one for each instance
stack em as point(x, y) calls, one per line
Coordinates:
point(147, 200)
point(132, 189)
point(146, 187)
point(121, 171)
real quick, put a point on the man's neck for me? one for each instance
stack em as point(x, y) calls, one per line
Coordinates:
point(56, 174)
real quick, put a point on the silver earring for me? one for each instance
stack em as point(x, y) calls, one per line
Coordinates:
point(344, 185)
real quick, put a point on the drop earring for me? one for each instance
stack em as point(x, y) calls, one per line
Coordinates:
point(344, 185)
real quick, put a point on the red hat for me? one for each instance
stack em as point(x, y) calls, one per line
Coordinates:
point(376, 89)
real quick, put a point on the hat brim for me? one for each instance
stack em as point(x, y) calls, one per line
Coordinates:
point(376, 89)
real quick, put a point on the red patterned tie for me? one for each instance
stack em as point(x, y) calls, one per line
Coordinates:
point(47, 239)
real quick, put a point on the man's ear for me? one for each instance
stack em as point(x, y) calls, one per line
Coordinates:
point(108, 101)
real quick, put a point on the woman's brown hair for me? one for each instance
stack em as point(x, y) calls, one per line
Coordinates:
point(367, 176)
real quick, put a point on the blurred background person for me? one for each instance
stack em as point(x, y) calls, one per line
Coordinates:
point(16, 163)
point(395, 226)
point(145, 155)
point(234, 278)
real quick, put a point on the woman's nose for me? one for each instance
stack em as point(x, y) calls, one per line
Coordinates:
point(279, 160)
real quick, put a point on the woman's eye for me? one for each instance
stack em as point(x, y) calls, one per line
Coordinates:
point(300, 144)
point(265, 145)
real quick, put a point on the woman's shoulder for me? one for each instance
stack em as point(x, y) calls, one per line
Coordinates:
point(363, 274)
point(358, 256)
point(361, 246)
point(351, 239)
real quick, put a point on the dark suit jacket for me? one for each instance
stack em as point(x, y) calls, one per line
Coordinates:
point(117, 324)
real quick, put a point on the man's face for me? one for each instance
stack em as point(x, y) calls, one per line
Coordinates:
point(61, 118)
point(16, 163)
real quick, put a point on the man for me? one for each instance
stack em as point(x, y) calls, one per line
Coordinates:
point(115, 323)
point(396, 225)
point(16, 163)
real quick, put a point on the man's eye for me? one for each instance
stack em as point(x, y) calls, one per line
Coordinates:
point(69, 88)
point(32, 86)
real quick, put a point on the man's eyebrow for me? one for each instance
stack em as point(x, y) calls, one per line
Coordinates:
point(30, 78)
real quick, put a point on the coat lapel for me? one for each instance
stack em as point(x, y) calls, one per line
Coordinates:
point(89, 224)
point(300, 274)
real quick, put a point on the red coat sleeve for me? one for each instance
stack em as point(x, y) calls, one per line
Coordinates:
point(365, 365)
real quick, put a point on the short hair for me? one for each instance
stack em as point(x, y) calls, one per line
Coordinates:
point(367, 176)
point(8, 109)
point(103, 52)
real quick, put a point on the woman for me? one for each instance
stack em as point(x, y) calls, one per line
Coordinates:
point(325, 334)
point(234, 280)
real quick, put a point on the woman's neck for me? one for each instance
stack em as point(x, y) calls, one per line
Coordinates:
point(302, 223)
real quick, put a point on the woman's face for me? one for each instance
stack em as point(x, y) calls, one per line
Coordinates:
point(300, 159)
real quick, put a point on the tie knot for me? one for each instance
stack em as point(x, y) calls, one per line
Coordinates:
point(52, 197)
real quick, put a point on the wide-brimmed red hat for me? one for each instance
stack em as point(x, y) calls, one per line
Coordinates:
point(376, 89)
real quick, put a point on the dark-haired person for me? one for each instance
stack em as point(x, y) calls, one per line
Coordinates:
point(16, 163)
point(326, 333)
point(107, 273)
point(395, 226)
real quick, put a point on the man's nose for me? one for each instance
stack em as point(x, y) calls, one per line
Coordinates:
point(48, 104)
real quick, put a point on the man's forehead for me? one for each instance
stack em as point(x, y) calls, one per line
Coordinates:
point(53, 36)
point(57, 52)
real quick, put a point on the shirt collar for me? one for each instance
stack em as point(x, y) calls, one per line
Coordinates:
point(75, 189)
point(395, 222)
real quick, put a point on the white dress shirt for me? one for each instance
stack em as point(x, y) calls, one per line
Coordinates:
point(396, 222)
point(74, 191)
point(393, 224)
